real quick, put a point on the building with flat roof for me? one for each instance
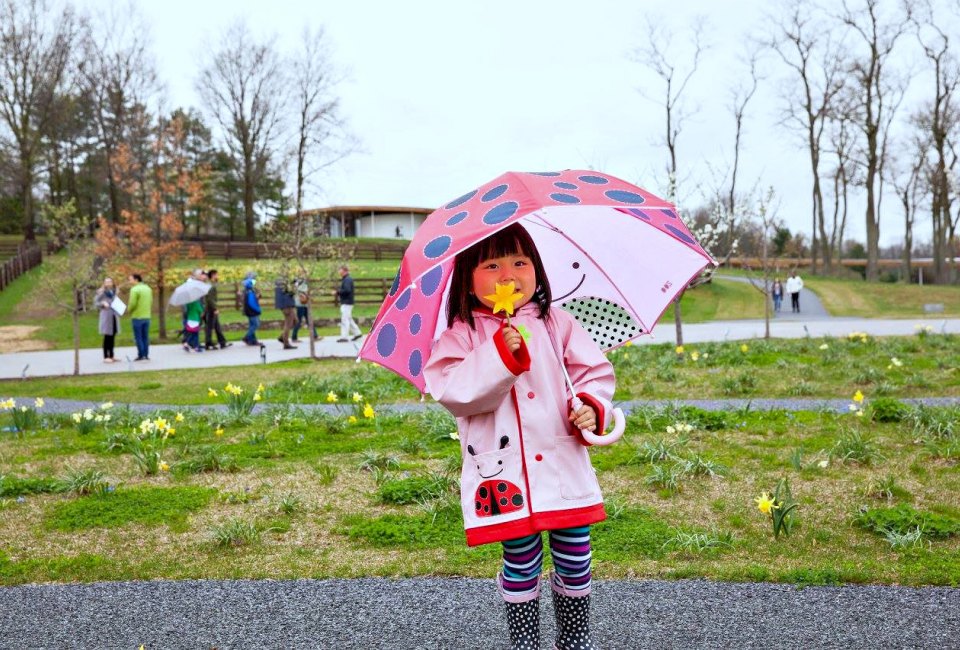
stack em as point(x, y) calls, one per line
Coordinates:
point(389, 222)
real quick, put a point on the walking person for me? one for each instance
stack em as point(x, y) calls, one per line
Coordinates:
point(285, 300)
point(345, 296)
point(524, 475)
point(141, 304)
point(191, 326)
point(251, 308)
point(211, 314)
point(777, 293)
point(109, 320)
point(303, 307)
point(794, 285)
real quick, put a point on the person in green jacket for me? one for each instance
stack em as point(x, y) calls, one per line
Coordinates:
point(140, 304)
point(194, 316)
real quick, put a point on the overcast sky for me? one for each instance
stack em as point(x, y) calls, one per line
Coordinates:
point(444, 95)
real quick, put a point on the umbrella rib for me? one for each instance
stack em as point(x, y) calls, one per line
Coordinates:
point(555, 228)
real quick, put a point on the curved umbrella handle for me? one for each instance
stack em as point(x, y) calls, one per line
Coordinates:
point(619, 424)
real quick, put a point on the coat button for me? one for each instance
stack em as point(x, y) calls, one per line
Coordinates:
point(531, 395)
point(539, 457)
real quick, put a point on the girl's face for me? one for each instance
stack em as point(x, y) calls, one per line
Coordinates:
point(108, 283)
point(516, 268)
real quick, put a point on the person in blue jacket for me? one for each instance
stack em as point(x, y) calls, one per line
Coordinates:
point(251, 308)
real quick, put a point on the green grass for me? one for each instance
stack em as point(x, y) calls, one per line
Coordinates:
point(883, 300)
point(321, 497)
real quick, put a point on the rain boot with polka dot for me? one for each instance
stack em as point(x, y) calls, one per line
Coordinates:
point(523, 618)
point(572, 609)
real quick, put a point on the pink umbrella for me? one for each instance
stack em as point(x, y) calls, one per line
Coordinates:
point(615, 256)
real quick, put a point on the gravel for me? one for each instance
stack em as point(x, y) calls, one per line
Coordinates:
point(466, 613)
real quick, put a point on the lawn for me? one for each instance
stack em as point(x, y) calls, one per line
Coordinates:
point(883, 300)
point(779, 368)
point(289, 494)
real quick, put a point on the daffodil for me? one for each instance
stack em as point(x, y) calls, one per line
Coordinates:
point(744, 348)
point(454, 435)
point(38, 402)
point(824, 346)
point(765, 503)
point(331, 397)
point(160, 423)
point(352, 419)
point(257, 397)
point(679, 349)
point(858, 397)
point(178, 417)
point(163, 466)
point(106, 406)
point(368, 412)
point(218, 431)
point(171, 431)
point(823, 464)
point(357, 397)
point(212, 392)
point(77, 418)
point(505, 297)
point(628, 344)
point(8, 404)
point(896, 362)
point(859, 413)
point(694, 356)
point(260, 388)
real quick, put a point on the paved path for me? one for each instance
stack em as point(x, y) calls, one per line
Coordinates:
point(466, 613)
point(165, 357)
point(810, 306)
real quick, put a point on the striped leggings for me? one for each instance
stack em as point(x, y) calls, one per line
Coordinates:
point(523, 561)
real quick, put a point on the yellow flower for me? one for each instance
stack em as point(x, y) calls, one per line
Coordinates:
point(765, 503)
point(504, 298)
point(160, 423)
point(260, 388)
point(357, 397)
point(38, 402)
point(454, 435)
point(8, 404)
point(212, 392)
point(77, 417)
point(352, 419)
point(744, 348)
point(694, 356)
point(626, 356)
point(179, 417)
point(858, 397)
point(218, 432)
point(824, 346)
point(368, 412)
point(679, 349)
point(331, 397)
point(164, 467)
point(859, 413)
point(257, 397)
point(171, 432)
point(628, 344)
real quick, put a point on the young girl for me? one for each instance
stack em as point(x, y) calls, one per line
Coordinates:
point(525, 466)
point(109, 321)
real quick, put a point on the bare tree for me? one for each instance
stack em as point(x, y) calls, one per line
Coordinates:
point(36, 41)
point(909, 184)
point(117, 77)
point(244, 87)
point(938, 119)
point(765, 214)
point(740, 96)
point(877, 36)
point(809, 49)
point(674, 77)
point(844, 174)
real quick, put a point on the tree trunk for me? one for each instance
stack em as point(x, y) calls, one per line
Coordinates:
point(248, 188)
point(76, 339)
point(677, 320)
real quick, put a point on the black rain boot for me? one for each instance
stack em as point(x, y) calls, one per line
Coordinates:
point(523, 619)
point(572, 609)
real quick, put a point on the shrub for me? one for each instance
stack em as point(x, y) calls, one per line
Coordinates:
point(886, 409)
point(903, 519)
point(235, 532)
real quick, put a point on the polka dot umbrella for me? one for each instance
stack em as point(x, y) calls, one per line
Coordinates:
point(615, 255)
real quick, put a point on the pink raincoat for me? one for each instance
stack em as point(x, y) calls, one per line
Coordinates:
point(525, 468)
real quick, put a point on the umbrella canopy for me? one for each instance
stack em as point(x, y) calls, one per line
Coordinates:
point(189, 291)
point(615, 256)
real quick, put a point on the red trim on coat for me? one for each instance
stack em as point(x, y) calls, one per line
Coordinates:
point(535, 523)
point(516, 362)
point(598, 408)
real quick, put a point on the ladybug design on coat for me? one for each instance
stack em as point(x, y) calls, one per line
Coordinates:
point(495, 496)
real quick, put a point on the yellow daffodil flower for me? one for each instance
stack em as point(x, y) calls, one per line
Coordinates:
point(679, 349)
point(744, 348)
point(505, 297)
point(160, 423)
point(368, 412)
point(858, 397)
point(164, 467)
point(257, 397)
point(765, 503)
point(171, 432)
point(331, 397)
point(218, 432)
point(38, 403)
point(357, 397)
point(352, 419)
point(8, 404)
point(694, 356)
point(212, 392)
point(260, 388)
point(179, 417)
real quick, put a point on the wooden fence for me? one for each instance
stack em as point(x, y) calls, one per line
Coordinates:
point(359, 250)
point(23, 257)
point(367, 291)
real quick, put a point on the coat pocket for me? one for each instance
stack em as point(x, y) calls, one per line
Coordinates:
point(575, 473)
point(496, 481)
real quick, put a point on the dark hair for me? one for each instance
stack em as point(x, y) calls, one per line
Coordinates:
point(511, 240)
point(137, 277)
point(211, 273)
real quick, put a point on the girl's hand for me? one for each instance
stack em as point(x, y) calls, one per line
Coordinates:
point(512, 338)
point(584, 418)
